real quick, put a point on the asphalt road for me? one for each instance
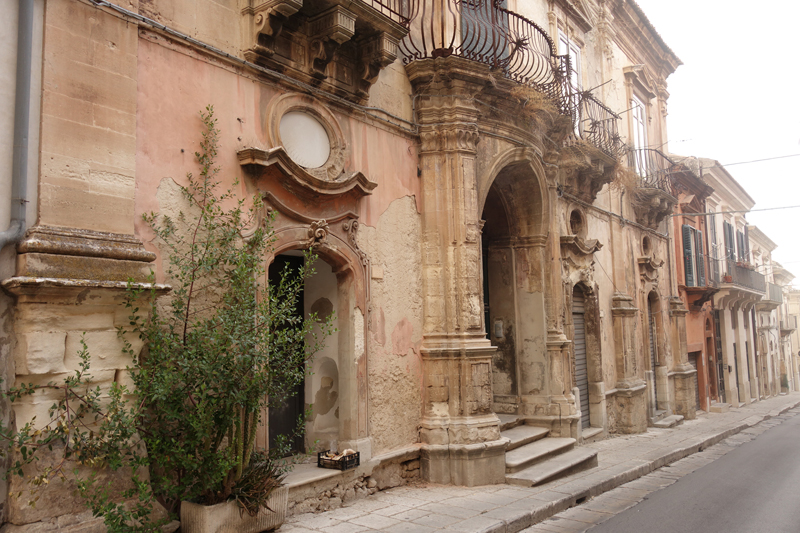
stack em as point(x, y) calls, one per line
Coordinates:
point(754, 488)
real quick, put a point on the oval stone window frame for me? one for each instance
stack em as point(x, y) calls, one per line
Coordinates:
point(333, 168)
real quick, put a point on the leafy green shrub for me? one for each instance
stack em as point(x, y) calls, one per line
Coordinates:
point(221, 347)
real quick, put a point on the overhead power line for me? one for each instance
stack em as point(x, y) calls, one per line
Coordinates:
point(732, 212)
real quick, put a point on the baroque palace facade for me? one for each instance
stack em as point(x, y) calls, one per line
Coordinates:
point(500, 227)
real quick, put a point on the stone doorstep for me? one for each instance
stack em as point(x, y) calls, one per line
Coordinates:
point(509, 421)
point(669, 422)
point(591, 434)
point(568, 462)
point(522, 435)
point(536, 452)
point(718, 407)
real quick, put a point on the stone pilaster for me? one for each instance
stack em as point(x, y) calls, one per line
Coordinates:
point(682, 373)
point(630, 402)
point(459, 432)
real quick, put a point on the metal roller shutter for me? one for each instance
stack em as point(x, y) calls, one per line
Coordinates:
point(581, 374)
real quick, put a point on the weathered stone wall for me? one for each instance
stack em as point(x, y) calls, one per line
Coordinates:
point(395, 366)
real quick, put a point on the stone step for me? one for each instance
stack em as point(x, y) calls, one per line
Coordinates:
point(536, 452)
point(669, 422)
point(718, 407)
point(567, 463)
point(509, 421)
point(591, 435)
point(522, 435)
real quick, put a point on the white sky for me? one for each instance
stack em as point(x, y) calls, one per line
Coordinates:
point(735, 98)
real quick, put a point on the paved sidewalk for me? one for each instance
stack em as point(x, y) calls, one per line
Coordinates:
point(507, 509)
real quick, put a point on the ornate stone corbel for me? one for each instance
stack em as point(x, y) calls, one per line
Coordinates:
point(317, 233)
point(268, 20)
point(377, 53)
point(328, 31)
point(351, 227)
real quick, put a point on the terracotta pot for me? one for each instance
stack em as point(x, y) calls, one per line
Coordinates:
point(228, 517)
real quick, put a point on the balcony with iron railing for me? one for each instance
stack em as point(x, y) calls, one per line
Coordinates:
point(486, 32)
point(774, 293)
point(653, 168)
point(745, 277)
point(788, 324)
point(596, 124)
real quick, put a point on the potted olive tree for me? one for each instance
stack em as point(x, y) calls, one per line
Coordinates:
point(218, 349)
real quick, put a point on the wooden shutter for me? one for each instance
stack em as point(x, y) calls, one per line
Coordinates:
point(700, 259)
point(746, 240)
point(739, 245)
point(712, 226)
point(688, 259)
point(727, 232)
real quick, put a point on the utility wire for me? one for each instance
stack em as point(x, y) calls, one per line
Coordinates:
point(732, 212)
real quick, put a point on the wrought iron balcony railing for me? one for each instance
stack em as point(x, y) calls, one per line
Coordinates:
point(744, 277)
point(789, 323)
point(595, 123)
point(774, 293)
point(397, 10)
point(653, 167)
point(486, 32)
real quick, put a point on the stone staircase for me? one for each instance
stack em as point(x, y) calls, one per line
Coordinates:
point(533, 458)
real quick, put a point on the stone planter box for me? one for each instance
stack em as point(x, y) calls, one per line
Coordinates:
point(228, 517)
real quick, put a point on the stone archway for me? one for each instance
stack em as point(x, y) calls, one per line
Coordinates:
point(531, 373)
point(337, 386)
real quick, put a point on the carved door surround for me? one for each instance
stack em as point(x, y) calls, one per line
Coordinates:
point(318, 208)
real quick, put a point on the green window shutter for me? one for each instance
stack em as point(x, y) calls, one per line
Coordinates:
point(688, 260)
point(700, 259)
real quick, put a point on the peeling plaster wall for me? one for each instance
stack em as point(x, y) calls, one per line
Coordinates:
point(395, 328)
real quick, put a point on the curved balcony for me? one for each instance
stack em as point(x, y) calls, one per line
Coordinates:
point(596, 124)
point(486, 32)
point(653, 167)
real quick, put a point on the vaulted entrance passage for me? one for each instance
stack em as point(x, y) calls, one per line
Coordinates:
point(514, 299)
point(500, 302)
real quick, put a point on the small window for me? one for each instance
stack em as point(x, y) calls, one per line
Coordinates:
point(576, 224)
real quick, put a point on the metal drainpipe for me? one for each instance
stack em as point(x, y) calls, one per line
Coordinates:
point(22, 103)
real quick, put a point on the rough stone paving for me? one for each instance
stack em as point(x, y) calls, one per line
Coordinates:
point(507, 509)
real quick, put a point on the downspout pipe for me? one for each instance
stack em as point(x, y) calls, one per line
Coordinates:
point(22, 104)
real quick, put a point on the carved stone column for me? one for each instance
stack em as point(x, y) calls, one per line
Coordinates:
point(459, 432)
point(683, 373)
point(630, 401)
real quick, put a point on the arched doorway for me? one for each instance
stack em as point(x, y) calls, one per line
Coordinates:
point(654, 330)
point(581, 369)
point(499, 301)
point(320, 390)
point(335, 387)
point(513, 290)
